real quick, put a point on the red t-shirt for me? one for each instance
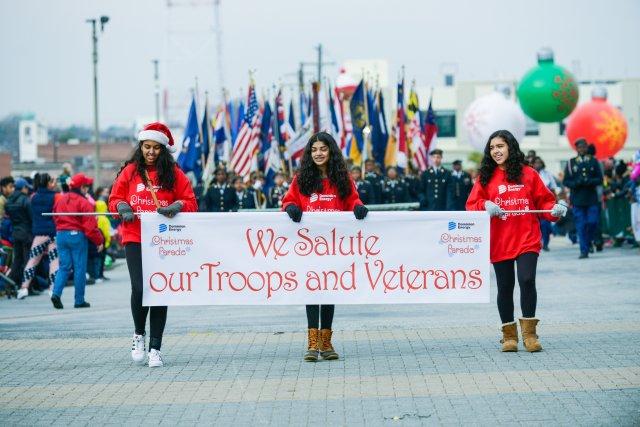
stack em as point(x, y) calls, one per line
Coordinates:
point(327, 200)
point(130, 188)
point(514, 234)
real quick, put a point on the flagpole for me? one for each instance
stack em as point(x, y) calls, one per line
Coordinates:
point(365, 131)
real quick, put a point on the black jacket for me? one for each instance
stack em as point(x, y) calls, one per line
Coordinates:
point(220, 198)
point(395, 191)
point(247, 200)
point(42, 202)
point(366, 193)
point(582, 176)
point(433, 196)
point(459, 188)
point(18, 208)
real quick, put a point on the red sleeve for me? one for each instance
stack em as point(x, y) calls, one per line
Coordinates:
point(477, 198)
point(183, 191)
point(352, 199)
point(293, 195)
point(90, 224)
point(543, 198)
point(120, 188)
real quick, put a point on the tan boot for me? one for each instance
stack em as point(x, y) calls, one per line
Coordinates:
point(326, 349)
point(312, 348)
point(509, 337)
point(529, 336)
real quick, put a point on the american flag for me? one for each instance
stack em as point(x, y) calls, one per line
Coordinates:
point(248, 141)
point(283, 127)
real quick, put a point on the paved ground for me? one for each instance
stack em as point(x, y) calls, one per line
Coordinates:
point(401, 365)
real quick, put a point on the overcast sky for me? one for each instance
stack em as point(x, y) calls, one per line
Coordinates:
point(45, 46)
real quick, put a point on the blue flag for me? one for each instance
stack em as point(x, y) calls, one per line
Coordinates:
point(190, 158)
point(236, 122)
point(265, 130)
point(379, 133)
point(292, 117)
point(206, 137)
point(359, 121)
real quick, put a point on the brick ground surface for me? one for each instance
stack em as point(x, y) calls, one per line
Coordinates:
point(400, 365)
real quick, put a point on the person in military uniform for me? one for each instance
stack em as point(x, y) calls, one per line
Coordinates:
point(220, 197)
point(373, 176)
point(365, 189)
point(394, 190)
point(459, 187)
point(434, 184)
point(412, 180)
point(582, 176)
point(246, 197)
point(277, 192)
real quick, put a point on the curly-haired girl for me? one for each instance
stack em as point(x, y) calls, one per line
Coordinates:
point(321, 184)
point(505, 183)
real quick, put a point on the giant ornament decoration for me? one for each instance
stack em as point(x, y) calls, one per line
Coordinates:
point(490, 113)
point(547, 93)
point(600, 123)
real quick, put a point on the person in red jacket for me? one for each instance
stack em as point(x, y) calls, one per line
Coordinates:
point(322, 184)
point(505, 183)
point(150, 181)
point(72, 233)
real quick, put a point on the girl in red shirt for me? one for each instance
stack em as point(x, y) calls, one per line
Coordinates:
point(148, 182)
point(506, 183)
point(321, 184)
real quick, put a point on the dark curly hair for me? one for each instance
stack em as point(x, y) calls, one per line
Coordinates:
point(309, 175)
point(514, 162)
point(165, 165)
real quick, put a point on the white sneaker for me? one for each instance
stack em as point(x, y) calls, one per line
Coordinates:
point(137, 349)
point(155, 358)
point(23, 293)
point(99, 280)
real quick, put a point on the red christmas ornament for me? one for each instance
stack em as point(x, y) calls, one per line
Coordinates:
point(600, 123)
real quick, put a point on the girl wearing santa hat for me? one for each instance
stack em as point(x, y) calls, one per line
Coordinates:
point(150, 181)
point(321, 184)
point(506, 183)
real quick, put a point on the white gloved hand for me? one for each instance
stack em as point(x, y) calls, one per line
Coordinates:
point(493, 209)
point(559, 209)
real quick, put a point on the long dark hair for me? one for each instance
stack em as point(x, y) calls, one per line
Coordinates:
point(514, 162)
point(309, 175)
point(164, 164)
point(41, 180)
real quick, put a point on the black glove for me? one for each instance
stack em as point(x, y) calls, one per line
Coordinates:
point(360, 211)
point(294, 212)
point(125, 212)
point(170, 211)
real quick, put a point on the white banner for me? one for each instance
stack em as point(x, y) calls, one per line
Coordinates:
point(328, 258)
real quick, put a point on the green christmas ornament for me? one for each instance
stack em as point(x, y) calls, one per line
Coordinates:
point(547, 93)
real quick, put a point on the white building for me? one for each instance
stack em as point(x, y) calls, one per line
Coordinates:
point(547, 139)
point(31, 133)
point(451, 101)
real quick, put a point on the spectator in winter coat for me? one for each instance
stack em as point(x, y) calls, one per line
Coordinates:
point(7, 187)
point(72, 233)
point(18, 209)
point(44, 232)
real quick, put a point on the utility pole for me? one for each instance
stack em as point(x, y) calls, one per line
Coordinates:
point(96, 126)
point(156, 78)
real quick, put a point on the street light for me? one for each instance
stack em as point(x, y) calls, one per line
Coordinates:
point(96, 127)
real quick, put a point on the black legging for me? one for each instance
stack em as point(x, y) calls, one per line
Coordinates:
point(505, 277)
point(158, 317)
point(317, 314)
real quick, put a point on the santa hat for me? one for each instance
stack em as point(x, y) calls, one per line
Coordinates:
point(159, 133)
